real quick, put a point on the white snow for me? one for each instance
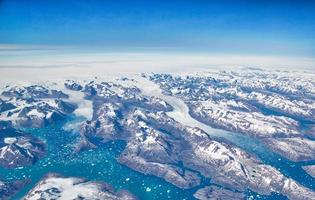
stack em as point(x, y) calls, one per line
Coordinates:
point(180, 112)
point(10, 140)
point(70, 188)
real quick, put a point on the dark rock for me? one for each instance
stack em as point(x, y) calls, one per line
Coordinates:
point(72, 85)
point(217, 193)
point(9, 189)
point(5, 106)
point(66, 107)
point(18, 148)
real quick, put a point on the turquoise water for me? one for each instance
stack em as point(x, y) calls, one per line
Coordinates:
point(101, 165)
point(97, 164)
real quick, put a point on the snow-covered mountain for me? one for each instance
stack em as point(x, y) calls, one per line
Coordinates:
point(55, 186)
point(159, 145)
point(34, 106)
point(18, 148)
point(274, 109)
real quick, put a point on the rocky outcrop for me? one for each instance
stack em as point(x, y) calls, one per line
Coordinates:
point(296, 148)
point(110, 103)
point(18, 148)
point(5, 106)
point(10, 188)
point(310, 169)
point(72, 85)
point(217, 193)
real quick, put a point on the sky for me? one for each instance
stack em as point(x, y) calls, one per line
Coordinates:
point(243, 27)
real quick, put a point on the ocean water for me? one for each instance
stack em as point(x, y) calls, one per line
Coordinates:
point(100, 165)
point(96, 164)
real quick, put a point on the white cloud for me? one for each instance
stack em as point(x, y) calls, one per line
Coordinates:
point(63, 64)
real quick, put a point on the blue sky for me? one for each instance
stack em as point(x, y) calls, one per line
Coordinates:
point(240, 27)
